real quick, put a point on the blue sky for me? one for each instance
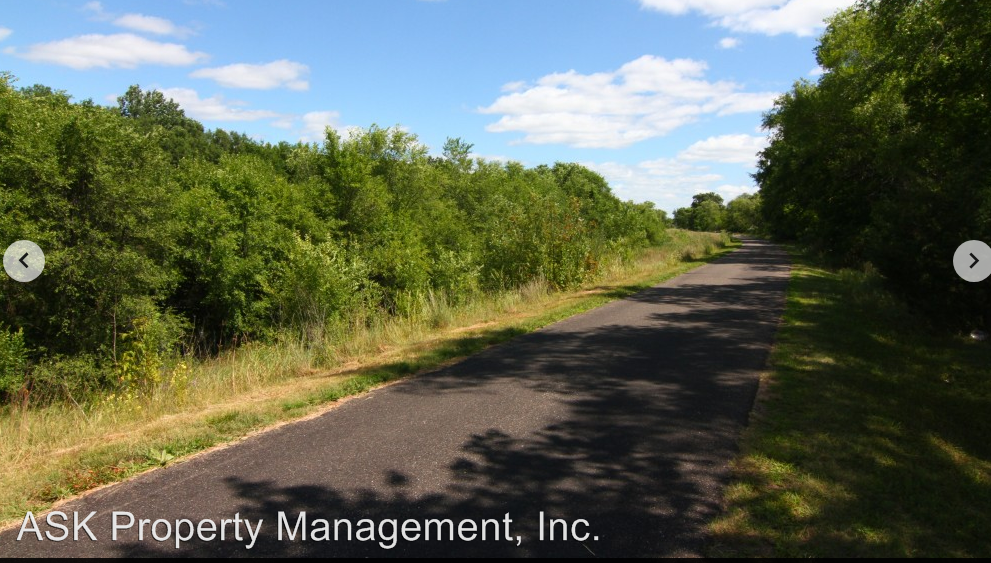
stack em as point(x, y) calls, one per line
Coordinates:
point(662, 97)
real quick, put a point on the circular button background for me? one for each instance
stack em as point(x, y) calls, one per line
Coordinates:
point(972, 261)
point(24, 261)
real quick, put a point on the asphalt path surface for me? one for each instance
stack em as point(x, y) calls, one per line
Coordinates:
point(621, 422)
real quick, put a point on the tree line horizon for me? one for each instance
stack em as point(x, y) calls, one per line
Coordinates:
point(161, 236)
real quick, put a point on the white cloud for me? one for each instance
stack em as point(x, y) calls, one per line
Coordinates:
point(96, 8)
point(311, 126)
point(671, 182)
point(286, 122)
point(742, 102)
point(817, 71)
point(729, 43)
point(215, 108)
point(645, 98)
point(741, 149)
point(730, 192)
point(149, 24)
point(315, 123)
point(770, 17)
point(517, 86)
point(277, 74)
point(4, 33)
point(681, 7)
point(667, 182)
point(122, 50)
point(135, 22)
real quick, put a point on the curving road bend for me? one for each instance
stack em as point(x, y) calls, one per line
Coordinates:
point(621, 422)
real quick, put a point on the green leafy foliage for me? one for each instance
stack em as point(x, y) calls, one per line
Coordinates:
point(164, 239)
point(159, 457)
point(140, 358)
point(743, 214)
point(887, 159)
point(13, 361)
point(318, 282)
point(707, 213)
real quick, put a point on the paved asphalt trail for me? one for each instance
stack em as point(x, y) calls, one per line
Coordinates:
point(625, 416)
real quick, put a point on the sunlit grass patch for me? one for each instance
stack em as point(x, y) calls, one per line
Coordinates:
point(873, 436)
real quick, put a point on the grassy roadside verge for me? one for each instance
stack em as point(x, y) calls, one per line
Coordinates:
point(872, 436)
point(54, 453)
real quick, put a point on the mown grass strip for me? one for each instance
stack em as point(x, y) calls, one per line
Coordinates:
point(872, 438)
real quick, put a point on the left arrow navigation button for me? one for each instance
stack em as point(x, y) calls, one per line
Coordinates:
point(24, 261)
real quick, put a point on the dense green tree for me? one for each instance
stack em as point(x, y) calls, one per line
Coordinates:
point(177, 134)
point(708, 216)
point(699, 199)
point(705, 214)
point(887, 159)
point(684, 218)
point(743, 214)
point(457, 152)
point(94, 195)
point(158, 233)
point(13, 362)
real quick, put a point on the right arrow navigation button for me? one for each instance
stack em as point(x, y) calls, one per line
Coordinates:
point(972, 261)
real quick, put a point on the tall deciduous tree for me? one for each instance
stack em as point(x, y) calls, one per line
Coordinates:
point(887, 158)
point(154, 227)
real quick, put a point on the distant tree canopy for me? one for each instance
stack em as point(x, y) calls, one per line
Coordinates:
point(742, 214)
point(887, 159)
point(150, 222)
point(707, 213)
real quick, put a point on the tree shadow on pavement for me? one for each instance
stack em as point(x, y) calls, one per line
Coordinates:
point(641, 420)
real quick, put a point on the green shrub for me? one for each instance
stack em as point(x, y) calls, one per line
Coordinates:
point(160, 234)
point(13, 361)
point(456, 274)
point(69, 378)
point(319, 283)
point(147, 358)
